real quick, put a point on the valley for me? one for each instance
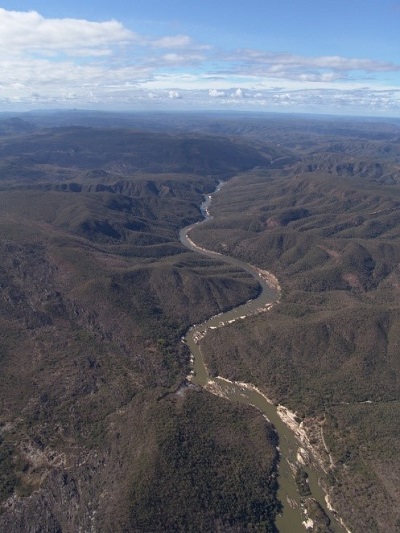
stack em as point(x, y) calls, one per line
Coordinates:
point(97, 292)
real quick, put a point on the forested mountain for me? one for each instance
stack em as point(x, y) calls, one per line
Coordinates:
point(97, 432)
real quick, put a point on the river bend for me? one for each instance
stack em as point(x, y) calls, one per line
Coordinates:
point(292, 452)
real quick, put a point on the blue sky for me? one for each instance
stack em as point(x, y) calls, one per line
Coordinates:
point(339, 57)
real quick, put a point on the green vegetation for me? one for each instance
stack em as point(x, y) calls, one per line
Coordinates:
point(202, 439)
point(318, 516)
point(333, 340)
point(302, 482)
point(96, 292)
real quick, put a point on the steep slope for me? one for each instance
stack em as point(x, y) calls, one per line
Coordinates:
point(329, 350)
point(96, 292)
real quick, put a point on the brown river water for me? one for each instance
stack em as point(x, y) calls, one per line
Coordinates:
point(292, 519)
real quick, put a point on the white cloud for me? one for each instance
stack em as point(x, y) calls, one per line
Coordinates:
point(216, 93)
point(175, 41)
point(27, 32)
point(239, 93)
point(174, 95)
point(259, 57)
point(47, 61)
point(174, 59)
point(258, 63)
point(274, 99)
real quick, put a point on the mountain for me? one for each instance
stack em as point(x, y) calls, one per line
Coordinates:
point(99, 429)
point(96, 293)
point(15, 125)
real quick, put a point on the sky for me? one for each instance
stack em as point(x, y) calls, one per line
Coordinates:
point(313, 56)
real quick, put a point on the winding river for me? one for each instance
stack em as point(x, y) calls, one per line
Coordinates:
point(292, 452)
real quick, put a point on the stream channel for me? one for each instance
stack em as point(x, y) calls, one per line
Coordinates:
point(292, 519)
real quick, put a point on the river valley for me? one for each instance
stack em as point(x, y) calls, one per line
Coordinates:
point(294, 448)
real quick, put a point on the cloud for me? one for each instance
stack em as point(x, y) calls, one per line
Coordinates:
point(257, 57)
point(275, 99)
point(239, 93)
point(258, 63)
point(176, 41)
point(52, 62)
point(174, 95)
point(216, 94)
point(27, 32)
point(49, 59)
point(173, 59)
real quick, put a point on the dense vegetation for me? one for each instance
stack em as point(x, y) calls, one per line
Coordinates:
point(96, 292)
point(202, 439)
point(329, 350)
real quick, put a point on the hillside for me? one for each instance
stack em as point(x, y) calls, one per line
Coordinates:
point(99, 430)
point(96, 292)
point(329, 350)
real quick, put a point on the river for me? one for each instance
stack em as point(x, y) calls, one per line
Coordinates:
point(293, 518)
